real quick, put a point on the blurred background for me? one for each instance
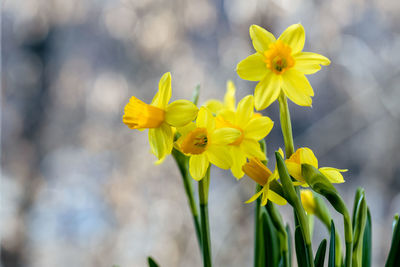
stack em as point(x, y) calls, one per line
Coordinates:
point(79, 188)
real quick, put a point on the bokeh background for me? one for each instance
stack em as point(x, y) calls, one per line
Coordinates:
point(79, 188)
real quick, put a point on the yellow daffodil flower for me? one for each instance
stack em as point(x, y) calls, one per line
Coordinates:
point(280, 65)
point(305, 155)
point(215, 106)
point(253, 127)
point(159, 117)
point(203, 143)
point(259, 173)
point(307, 199)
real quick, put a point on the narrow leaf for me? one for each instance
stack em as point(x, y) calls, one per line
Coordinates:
point(289, 235)
point(152, 262)
point(271, 241)
point(367, 240)
point(320, 256)
point(195, 94)
point(300, 247)
point(393, 259)
point(331, 261)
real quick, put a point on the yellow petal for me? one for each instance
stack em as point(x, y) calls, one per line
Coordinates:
point(225, 116)
point(198, 165)
point(184, 130)
point(267, 91)
point(224, 136)
point(264, 199)
point(258, 128)
point(254, 197)
point(163, 95)
point(219, 156)
point(238, 160)
point(213, 105)
point(229, 98)
point(334, 175)
point(295, 88)
point(294, 170)
point(205, 119)
point(294, 36)
point(276, 198)
point(261, 38)
point(252, 149)
point(161, 140)
point(252, 68)
point(309, 63)
point(180, 113)
point(245, 110)
point(307, 157)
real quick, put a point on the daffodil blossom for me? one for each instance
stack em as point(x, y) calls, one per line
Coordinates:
point(159, 117)
point(253, 127)
point(280, 65)
point(305, 155)
point(259, 173)
point(215, 106)
point(307, 199)
point(203, 143)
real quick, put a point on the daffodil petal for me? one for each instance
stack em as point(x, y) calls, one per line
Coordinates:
point(267, 91)
point(245, 110)
point(252, 149)
point(294, 36)
point(161, 140)
point(258, 128)
point(226, 115)
point(180, 113)
point(252, 68)
point(238, 160)
point(163, 95)
point(224, 136)
point(276, 198)
point(213, 105)
point(205, 119)
point(307, 157)
point(261, 38)
point(265, 195)
point(294, 170)
point(297, 88)
point(334, 175)
point(309, 63)
point(219, 156)
point(198, 165)
point(229, 98)
point(254, 197)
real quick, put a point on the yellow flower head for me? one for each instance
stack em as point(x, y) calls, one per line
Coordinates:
point(203, 143)
point(259, 173)
point(305, 155)
point(159, 117)
point(308, 201)
point(280, 65)
point(252, 129)
point(215, 106)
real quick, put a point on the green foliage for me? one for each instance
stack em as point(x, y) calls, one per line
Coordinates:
point(151, 262)
point(320, 256)
point(393, 259)
point(300, 247)
point(367, 242)
point(332, 246)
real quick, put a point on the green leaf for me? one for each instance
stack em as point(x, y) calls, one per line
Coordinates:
point(152, 263)
point(367, 247)
point(393, 259)
point(300, 247)
point(289, 235)
point(195, 94)
point(320, 256)
point(357, 196)
point(331, 261)
point(271, 241)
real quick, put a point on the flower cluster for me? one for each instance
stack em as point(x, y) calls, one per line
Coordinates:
point(227, 134)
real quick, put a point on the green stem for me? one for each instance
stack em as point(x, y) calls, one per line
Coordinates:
point(348, 233)
point(258, 242)
point(182, 162)
point(205, 226)
point(305, 229)
point(286, 124)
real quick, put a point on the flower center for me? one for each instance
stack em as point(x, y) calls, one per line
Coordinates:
point(195, 142)
point(222, 123)
point(278, 57)
point(141, 115)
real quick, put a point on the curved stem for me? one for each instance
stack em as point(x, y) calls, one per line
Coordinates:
point(205, 226)
point(286, 124)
